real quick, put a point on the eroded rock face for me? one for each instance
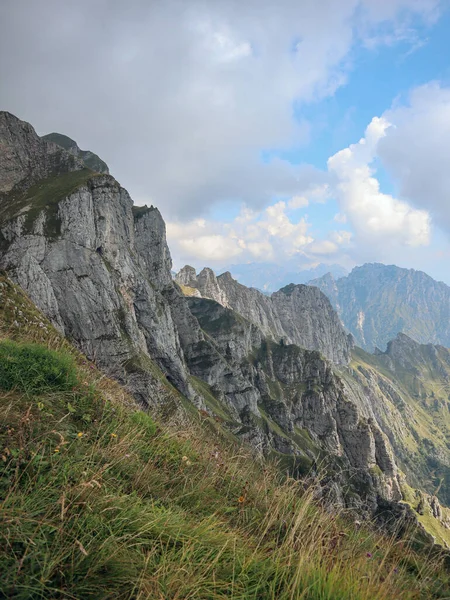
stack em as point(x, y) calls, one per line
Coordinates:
point(300, 394)
point(298, 314)
point(100, 269)
point(26, 158)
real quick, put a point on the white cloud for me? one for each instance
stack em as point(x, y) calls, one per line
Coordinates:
point(180, 98)
point(415, 151)
point(340, 218)
point(375, 216)
point(269, 235)
point(323, 247)
point(298, 202)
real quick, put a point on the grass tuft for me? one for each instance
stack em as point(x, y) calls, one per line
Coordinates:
point(34, 369)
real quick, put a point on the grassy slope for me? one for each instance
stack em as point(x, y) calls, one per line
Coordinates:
point(43, 196)
point(99, 501)
point(428, 420)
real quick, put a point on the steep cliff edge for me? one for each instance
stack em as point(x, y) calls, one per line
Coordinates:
point(26, 158)
point(91, 160)
point(99, 268)
point(298, 314)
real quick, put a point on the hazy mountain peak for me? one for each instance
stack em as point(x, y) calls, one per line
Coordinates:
point(376, 302)
point(270, 277)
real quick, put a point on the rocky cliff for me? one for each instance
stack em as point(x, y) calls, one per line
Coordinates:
point(375, 302)
point(297, 314)
point(91, 160)
point(25, 158)
point(100, 270)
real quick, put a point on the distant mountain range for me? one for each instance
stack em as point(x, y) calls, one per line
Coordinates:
point(270, 277)
point(376, 302)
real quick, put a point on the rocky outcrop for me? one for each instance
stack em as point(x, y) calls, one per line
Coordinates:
point(186, 276)
point(297, 314)
point(375, 302)
point(100, 269)
point(91, 160)
point(303, 402)
point(26, 158)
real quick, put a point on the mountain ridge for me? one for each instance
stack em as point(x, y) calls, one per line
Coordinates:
point(270, 277)
point(296, 314)
point(91, 160)
point(376, 301)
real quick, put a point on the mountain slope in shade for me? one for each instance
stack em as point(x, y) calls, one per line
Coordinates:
point(376, 302)
point(296, 314)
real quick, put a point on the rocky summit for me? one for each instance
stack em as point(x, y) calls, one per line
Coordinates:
point(375, 302)
point(279, 373)
point(297, 314)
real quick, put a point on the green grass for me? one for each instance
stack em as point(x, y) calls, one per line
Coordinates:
point(118, 506)
point(34, 369)
point(44, 196)
point(101, 501)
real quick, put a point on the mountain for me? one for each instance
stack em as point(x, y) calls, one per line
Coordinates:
point(269, 277)
point(101, 500)
point(276, 374)
point(297, 314)
point(375, 302)
point(91, 160)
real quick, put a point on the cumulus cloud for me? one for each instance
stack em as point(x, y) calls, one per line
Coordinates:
point(252, 235)
point(181, 98)
point(375, 216)
point(415, 151)
point(274, 234)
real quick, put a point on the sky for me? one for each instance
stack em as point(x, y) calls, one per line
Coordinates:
point(292, 132)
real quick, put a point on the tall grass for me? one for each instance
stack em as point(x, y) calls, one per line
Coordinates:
point(32, 368)
point(99, 501)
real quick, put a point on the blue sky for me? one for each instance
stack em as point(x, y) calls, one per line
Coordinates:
point(286, 132)
point(378, 77)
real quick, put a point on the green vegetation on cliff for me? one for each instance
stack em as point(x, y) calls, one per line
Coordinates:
point(91, 160)
point(43, 196)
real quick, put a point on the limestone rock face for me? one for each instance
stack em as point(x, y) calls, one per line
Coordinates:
point(186, 276)
point(301, 392)
point(100, 269)
point(91, 283)
point(298, 314)
point(26, 158)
